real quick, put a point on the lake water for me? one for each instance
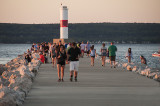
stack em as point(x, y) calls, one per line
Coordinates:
point(10, 51)
point(137, 49)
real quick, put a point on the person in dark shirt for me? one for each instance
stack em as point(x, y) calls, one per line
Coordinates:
point(59, 45)
point(46, 48)
point(28, 58)
point(73, 56)
point(143, 60)
point(61, 58)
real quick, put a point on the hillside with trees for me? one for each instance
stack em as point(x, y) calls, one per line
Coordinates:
point(119, 32)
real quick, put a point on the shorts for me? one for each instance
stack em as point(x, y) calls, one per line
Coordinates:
point(61, 63)
point(74, 65)
point(93, 56)
point(53, 56)
point(112, 58)
point(103, 54)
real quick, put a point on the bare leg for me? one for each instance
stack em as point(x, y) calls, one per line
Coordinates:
point(82, 54)
point(75, 75)
point(129, 59)
point(114, 62)
point(111, 63)
point(54, 61)
point(62, 72)
point(104, 58)
point(93, 61)
point(71, 75)
point(58, 68)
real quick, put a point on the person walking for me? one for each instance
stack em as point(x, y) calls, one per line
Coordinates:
point(61, 58)
point(73, 56)
point(50, 50)
point(53, 54)
point(82, 46)
point(92, 54)
point(59, 45)
point(88, 46)
point(46, 49)
point(129, 55)
point(103, 54)
point(112, 54)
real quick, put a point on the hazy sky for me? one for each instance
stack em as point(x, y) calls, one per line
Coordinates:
point(80, 11)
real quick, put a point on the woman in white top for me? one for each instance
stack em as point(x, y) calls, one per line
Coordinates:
point(92, 54)
point(103, 54)
point(129, 55)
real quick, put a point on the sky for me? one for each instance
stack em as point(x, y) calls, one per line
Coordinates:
point(80, 11)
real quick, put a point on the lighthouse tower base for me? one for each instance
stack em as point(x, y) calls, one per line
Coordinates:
point(62, 40)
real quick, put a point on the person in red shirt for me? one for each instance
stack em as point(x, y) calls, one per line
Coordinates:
point(41, 57)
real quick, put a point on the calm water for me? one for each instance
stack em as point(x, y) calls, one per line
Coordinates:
point(137, 49)
point(10, 51)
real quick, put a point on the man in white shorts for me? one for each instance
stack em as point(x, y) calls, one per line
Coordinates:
point(73, 56)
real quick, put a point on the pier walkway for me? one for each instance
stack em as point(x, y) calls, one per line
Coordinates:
point(96, 86)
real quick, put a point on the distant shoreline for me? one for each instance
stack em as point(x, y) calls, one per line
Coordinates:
point(125, 33)
point(86, 23)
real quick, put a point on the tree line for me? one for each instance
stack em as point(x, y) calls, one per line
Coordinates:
point(118, 32)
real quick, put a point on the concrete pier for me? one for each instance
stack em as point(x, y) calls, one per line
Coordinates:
point(96, 86)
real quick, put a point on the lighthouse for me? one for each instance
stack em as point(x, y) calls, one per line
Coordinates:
point(63, 22)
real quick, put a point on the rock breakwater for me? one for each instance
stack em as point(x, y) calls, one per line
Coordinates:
point(141, 69)
point(16, 79)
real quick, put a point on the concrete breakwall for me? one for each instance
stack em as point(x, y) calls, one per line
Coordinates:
point(139, 69)
point(16, 79)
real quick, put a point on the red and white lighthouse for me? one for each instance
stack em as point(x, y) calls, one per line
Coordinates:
point(63, 22)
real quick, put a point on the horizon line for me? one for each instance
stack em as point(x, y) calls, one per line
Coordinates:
point(88, 23)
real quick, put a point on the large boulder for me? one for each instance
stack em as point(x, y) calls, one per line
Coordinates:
point(16, 80)
point(135, 69)
point(107, 61)
point(24, 71)
point(7, 97)
point(124, 65)
point(2, 69)
point(145, 71)
point(10, 97)
point(157, 76)
point(129, 68)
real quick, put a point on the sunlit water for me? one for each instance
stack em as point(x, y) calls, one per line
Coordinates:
point(10, 51)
